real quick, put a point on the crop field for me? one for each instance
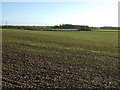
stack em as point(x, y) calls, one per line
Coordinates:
point(105, 30)
point(59, 59)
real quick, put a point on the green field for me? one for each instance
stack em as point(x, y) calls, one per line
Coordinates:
point(58, 59)
point(105, 30)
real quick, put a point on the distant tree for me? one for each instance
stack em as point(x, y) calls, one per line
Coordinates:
point(118, 28)
point(56, 26)
point(84, 28)
point(67, 26)
point(109, 28)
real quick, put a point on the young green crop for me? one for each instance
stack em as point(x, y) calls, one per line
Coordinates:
point(60, 59)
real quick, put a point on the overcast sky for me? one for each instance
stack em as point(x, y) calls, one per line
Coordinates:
point(85, 12)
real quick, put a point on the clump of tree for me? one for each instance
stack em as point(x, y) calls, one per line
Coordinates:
point(27, 27)
point(110, 28)
point(70, 26)
point(118, 28)
point(66, 26)
point(84, 28)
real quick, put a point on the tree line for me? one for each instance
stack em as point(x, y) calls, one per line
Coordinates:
point(70, 26)
point(110, 28)
point(61, 26)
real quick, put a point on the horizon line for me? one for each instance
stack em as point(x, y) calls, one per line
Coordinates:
point(49, 25)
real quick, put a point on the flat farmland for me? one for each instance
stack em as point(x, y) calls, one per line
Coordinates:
point(59, 59)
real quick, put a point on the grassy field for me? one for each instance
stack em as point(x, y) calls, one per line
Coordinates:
point(58, 59)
